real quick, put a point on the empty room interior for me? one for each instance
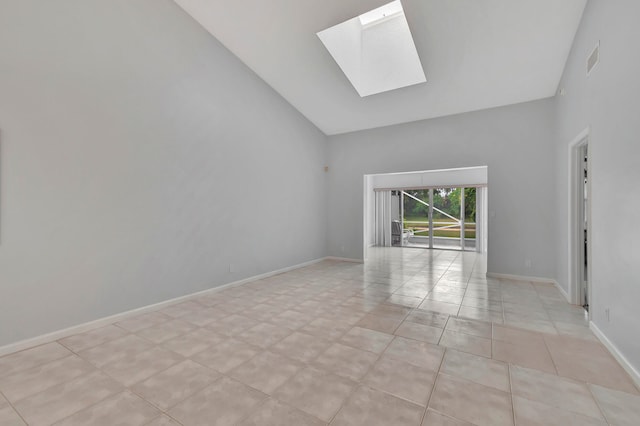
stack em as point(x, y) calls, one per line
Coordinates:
point(364, 212)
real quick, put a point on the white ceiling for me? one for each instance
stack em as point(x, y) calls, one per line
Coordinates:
point(476, 54)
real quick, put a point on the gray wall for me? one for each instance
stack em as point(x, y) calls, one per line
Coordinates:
point(609, 102)
point(515, 142)
point(139, 159)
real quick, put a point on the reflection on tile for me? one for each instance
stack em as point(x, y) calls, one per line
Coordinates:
point(276, 413)
point(425, 333)
point(421, 354)
point(124, 409)
point(401, 379)
point(466, 343)
point(619, 408)
point(369, 407)
point(318, 393)
point(477, 404)
point(368, 340)
point(224, 402)
point(466, 326)
point(175, 384)
point(477, 369)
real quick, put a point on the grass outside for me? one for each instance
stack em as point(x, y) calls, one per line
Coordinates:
point(420, 227)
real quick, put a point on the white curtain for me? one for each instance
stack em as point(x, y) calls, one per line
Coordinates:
point(383, 218)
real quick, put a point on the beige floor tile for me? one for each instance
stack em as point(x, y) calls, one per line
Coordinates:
point(204, 316)
point(480, 314)
point(8, 416)
point(440, 307)
point(620, 408)
point(406, 301)
point(264, 335)
point(588, 361)
point(530, 356)
point(80, 342)
point(467, 326)
point(232, 325)
point(291, 319)
point(468, 401)
point(433, 418)
point(42, 377)
point(142, 321)
point(125, 409)
point(365, 339)
point(276, 413)
point(346, 361)
point(30, 358)
point(477, 369)
point(181, 309)
point(316, 392)
point(114, 350)
point(328, 329)
point(383, 324)
point(531, 413)
point(166, 330)
point(226, 355)
point(433, 319)
point(63, 400)
point(559, 392)
point(133, 369)
point(225, 402)
point(370, 407)
point(301, 347)
point(191, 343)
point(266, 371)
point(421, 354)
point(175, 384)
point(163, 420)
point(479, 303)
point(466, 343)
point(401, 379)
point(424, 333)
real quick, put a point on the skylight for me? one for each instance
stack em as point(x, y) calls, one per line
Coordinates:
point(375, 50)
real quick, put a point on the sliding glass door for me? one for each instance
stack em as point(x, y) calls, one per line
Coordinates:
point(442, 218)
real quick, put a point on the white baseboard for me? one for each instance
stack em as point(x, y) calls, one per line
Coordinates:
point(519, 278)
point(344, 259)
point(531, 279)
point(92, 325)
point(624, 362)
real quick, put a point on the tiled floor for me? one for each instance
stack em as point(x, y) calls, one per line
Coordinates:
point(414, 337)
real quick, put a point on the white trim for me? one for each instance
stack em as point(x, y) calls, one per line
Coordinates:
point(345, 259)
point(101, 322)
point(622, 360)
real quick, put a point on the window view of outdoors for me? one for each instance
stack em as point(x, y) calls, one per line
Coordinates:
point(446, 215)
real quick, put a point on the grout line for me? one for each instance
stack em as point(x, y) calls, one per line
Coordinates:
point(13, 408)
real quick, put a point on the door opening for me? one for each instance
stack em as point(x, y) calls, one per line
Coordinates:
point(579, 222)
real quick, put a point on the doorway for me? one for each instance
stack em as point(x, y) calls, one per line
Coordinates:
point(579, 222)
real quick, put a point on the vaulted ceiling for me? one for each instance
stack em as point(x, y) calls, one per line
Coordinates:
point(476, 54)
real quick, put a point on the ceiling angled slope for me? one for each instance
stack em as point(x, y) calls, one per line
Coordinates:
point(476, 54)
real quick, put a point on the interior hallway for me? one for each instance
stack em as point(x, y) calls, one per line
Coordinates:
point(412, 337)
